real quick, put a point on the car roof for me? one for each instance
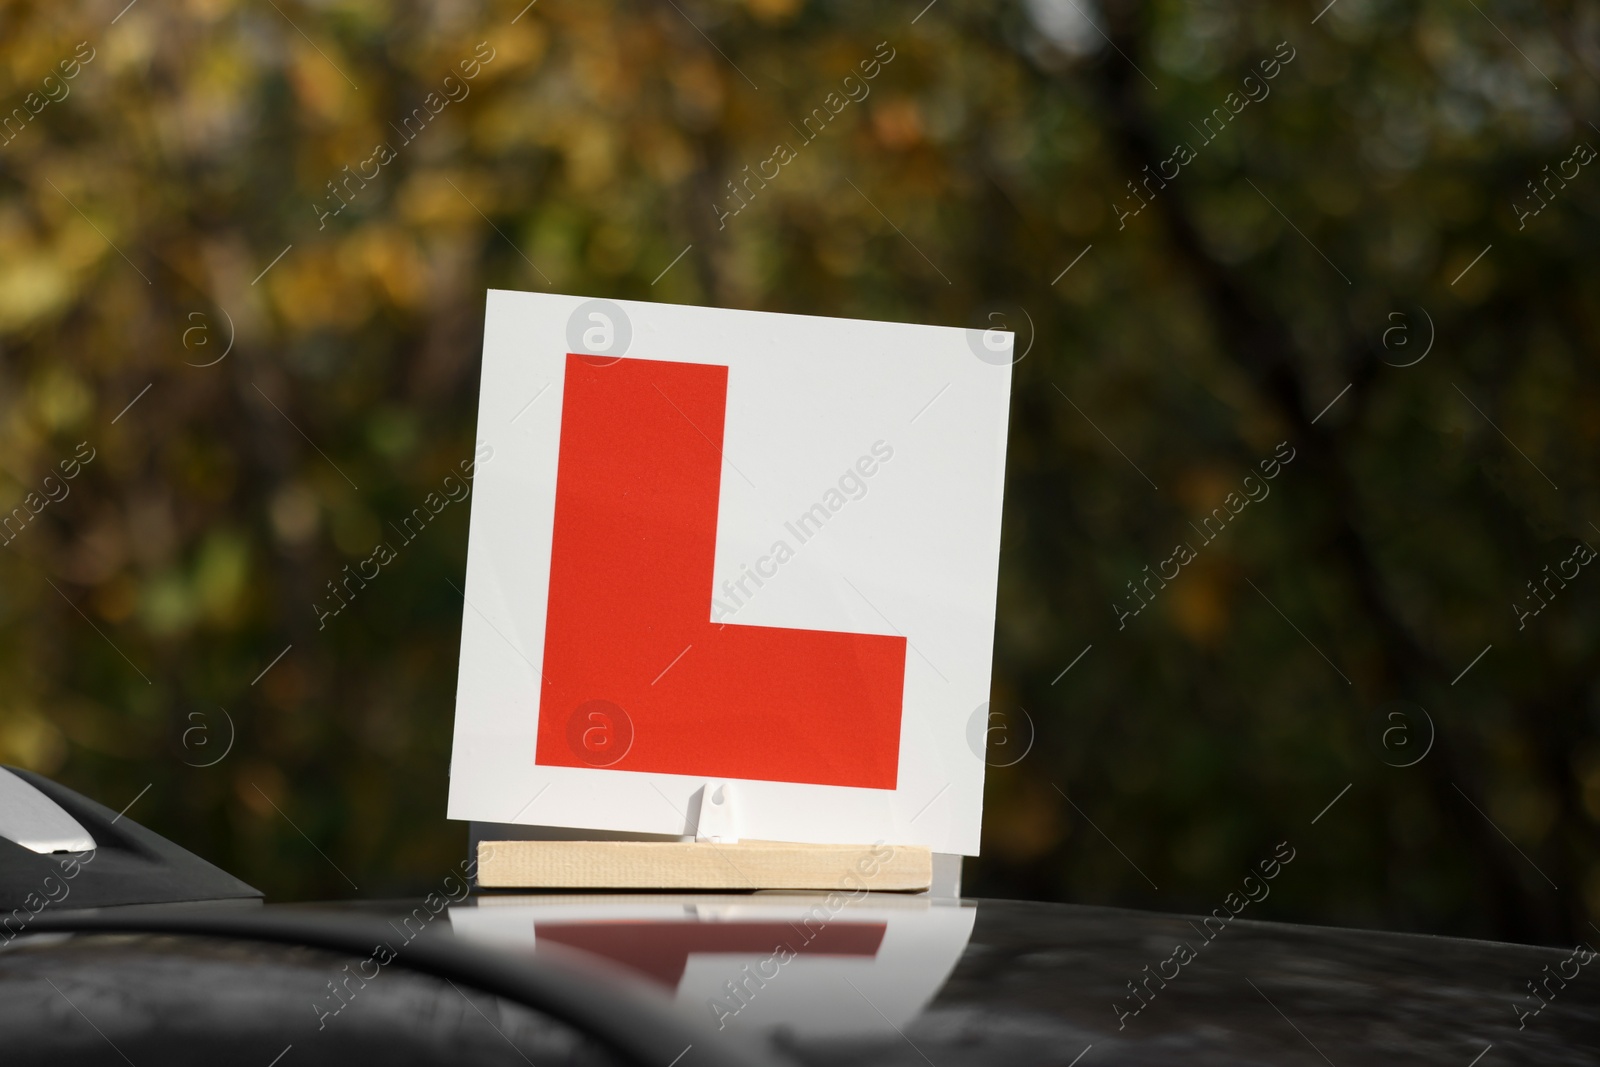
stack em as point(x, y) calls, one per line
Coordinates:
point(890, 978)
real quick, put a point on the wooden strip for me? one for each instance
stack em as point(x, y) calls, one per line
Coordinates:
point(701, 865)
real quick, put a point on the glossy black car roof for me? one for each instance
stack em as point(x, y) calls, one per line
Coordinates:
point(782, 977)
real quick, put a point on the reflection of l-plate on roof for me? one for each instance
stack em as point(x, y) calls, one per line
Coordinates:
point(852, 968)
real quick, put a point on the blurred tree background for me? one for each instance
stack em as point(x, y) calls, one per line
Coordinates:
point(264, 385)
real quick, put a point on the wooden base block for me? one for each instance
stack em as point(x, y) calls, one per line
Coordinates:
point(701, 865)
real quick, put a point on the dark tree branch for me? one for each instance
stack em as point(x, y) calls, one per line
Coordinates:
point(1263, 345)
